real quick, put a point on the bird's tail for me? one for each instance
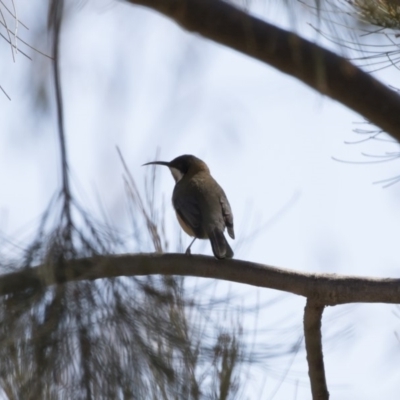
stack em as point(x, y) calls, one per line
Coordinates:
point(219, 244)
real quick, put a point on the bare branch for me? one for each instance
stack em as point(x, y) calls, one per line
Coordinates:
point(323, 288)
point(319, 68)
point(315, 358)
point(55, 23)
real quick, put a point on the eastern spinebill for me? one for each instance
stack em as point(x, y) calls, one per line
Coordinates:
point(201, 206)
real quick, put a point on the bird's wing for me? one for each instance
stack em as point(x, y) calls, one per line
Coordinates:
point(189, 211)
point(228, 216)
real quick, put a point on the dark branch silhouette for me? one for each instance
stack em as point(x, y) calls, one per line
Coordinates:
point(315, 358)
point(325, 289)
point(317, 67)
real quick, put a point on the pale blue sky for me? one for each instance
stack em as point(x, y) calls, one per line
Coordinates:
point(133, 79)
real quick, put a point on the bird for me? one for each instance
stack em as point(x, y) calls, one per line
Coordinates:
point(202, 208)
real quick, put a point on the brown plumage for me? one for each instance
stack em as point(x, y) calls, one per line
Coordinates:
point(201, 206)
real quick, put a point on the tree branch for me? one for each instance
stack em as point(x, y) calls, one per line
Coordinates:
point(312, 333)
point(317, 67)
point(322, 288)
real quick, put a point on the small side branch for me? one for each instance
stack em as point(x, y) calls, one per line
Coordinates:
point(55, 23)
point(315, 358)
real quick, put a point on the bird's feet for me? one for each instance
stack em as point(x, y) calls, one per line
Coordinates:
point(188, 252)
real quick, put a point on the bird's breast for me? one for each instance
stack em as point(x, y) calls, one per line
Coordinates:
point(187, 229)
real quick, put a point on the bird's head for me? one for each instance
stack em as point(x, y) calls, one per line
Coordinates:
point(181, 165)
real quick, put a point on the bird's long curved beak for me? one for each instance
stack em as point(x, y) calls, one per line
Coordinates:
point(157, 163)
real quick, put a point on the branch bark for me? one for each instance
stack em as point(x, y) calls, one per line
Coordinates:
point(317, 67)
point(322, 288)
point(315, 358)
point(319, 289)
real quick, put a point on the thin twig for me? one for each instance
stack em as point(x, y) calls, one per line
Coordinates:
point(56, 17)
point(8, 33)
point(1, 88)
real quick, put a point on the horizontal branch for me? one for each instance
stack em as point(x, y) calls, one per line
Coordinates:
point(322, 288)
point(317, 67)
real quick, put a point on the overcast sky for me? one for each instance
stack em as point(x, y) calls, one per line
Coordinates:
point(133, 79)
